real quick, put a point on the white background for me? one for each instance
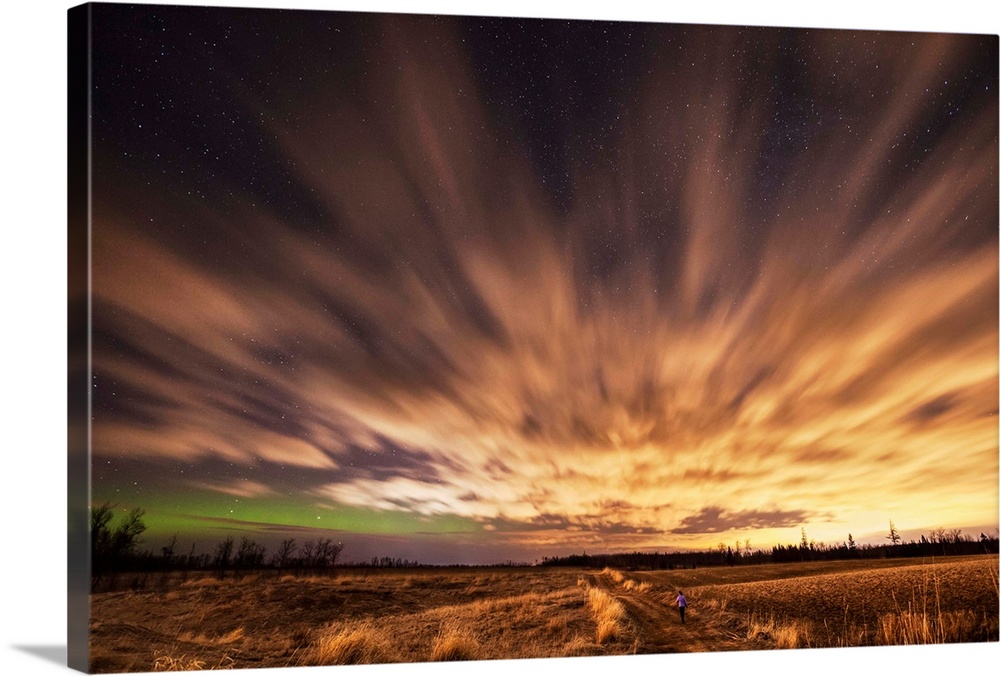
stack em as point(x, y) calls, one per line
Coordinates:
point(33, 311)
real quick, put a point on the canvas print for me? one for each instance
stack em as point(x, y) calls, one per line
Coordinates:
point(409, 338)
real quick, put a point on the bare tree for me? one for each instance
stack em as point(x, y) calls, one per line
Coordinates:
point(307, 554)
point(327, 552)
point(168, 551)
point(322, 553)
point(249, 554)
point(100, 541)
point(283, 555)
point(111, 547)
point(223, 555)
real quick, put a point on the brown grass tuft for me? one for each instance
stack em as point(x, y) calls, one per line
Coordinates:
point(785, 634)
point(361, 644)
point(632, 585)
point(608, 613)
point(165, 661)
point(455, 644)
point(615, 575)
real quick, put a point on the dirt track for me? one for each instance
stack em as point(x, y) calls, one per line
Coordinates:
point(657, 624)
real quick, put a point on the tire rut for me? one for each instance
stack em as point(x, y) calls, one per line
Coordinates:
point(657, 623)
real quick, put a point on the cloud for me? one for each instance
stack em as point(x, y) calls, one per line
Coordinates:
point(601, 524)
point(718, 520)
point(714, 318)
point(242, 489)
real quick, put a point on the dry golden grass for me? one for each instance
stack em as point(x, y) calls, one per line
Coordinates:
point(608, 614)
point(615, 575)
point(182, 663)
point(454, 644)
point(640, 587)
point(420, 615)
point(224, 639)
point(784, 633)
point(913, 628)
point(362, 643)
point(535, 624)
point(163, 661)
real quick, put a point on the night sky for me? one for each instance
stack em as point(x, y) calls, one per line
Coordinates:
point(473, 289)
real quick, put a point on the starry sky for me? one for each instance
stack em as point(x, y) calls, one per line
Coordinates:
point(465, 289)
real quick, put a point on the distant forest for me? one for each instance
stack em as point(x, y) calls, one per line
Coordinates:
point(115, 550)
point(939, 542)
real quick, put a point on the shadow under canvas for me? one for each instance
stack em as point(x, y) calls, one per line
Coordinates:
point(49, 653)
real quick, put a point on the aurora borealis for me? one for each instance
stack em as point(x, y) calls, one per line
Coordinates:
point(470, 289)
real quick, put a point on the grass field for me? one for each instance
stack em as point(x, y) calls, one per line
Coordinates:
point(420, 615)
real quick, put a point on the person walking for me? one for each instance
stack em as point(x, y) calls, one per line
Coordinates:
point(681, 602)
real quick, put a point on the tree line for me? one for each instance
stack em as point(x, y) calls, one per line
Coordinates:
point(115, 549)
point(939, 542)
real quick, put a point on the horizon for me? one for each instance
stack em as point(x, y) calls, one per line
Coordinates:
point(372, 547)
point(547, 287)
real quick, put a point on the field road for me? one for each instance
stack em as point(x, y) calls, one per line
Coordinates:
point(657, 624)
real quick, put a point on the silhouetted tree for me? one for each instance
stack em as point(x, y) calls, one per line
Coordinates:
point(939, 537)
point(191, 560)
point(326, 553)
point(168, 551)
point(110, 547)
point(283, 556)
point(250, 554)
point(306, 557)
point(223, 555)
point(893, 535)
